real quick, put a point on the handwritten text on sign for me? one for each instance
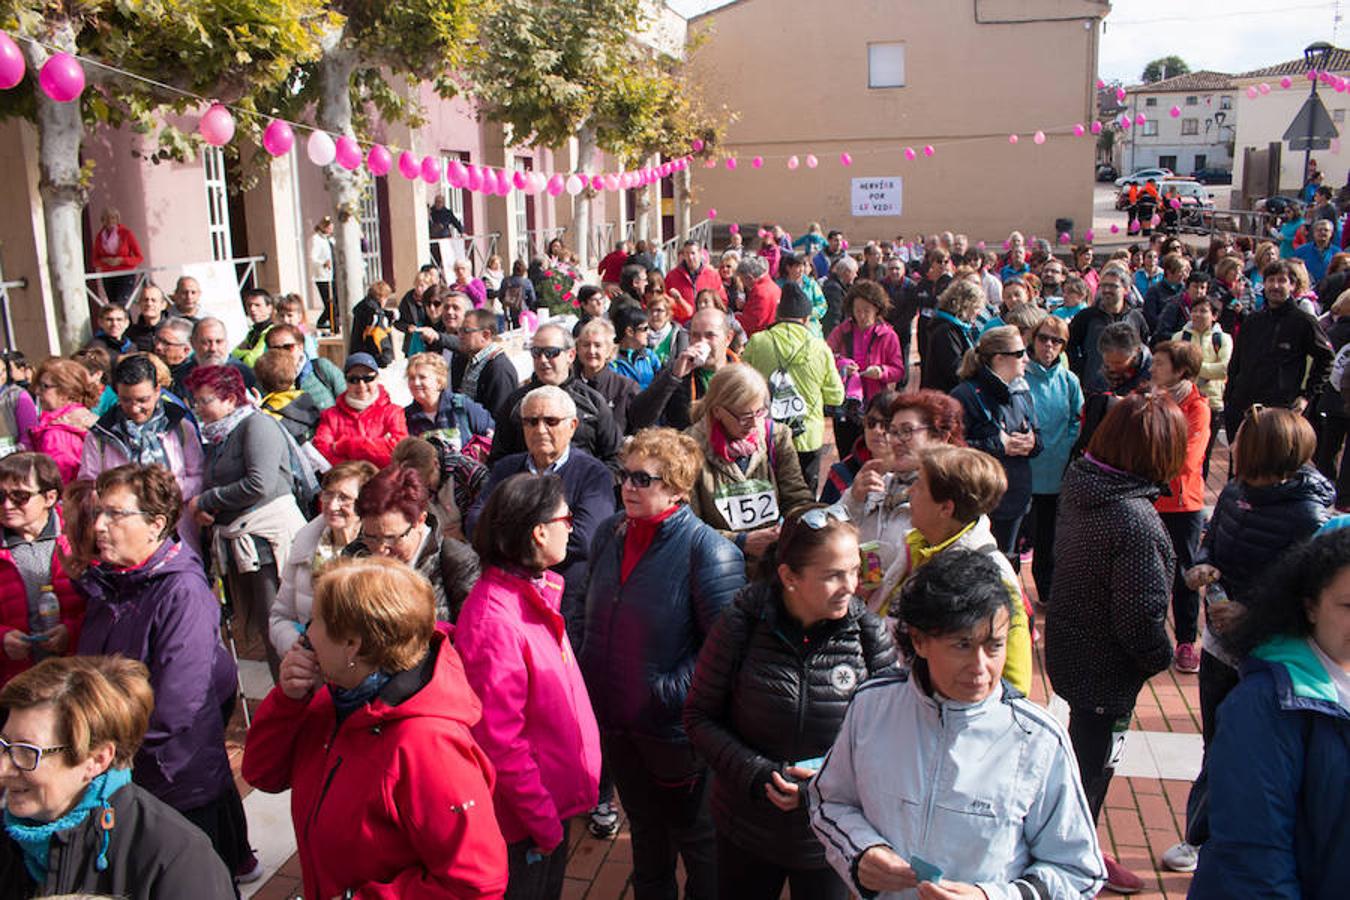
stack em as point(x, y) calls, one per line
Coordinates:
point(876, 196)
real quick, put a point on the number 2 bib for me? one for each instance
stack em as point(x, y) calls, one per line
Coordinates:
point(747, 505)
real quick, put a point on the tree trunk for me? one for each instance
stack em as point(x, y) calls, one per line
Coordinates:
point(344, 187)
point(581, 218)
point(684, 190)
point(60, 131)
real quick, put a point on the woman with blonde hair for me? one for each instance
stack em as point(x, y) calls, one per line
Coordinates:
point(369, 729)
point(65, 396)
point(437, 410)
point(750, 477)
point(74, 821)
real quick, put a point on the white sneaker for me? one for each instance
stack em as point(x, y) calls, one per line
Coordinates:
point(1181, 857)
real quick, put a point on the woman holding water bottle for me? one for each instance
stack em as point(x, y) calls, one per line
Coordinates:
point(773, 681)
point(40, 611)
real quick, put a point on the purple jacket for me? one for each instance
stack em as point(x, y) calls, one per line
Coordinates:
point(164, 614)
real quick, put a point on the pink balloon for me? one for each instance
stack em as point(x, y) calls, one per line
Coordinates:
point(792, 162)
point(1038, 137)
point(1286, 82)
point(697, 145)
point(1174, 112)
point(811, 161)
point(1125, 122)
point(456, 173)
point(1100, 84)
point(575, 184)
point(757, 162)
point(278, 138)
point(1324, 77)
point(611, 182)
point(980, 245)
point(216, 126)
point(1134, 226)
point(731, 163)
point(1175, 203)
point(349, 155)
point(712, 213)
point(1064, 237)
point(431, 169)
point(519, 179)
point(1007, 245)
point(734, 228)
point(1312, 75)
point(503, 183)
point(1140, 119)
point(320, 148)
point(1252, 93)
point(556, 185)
point(1263, 87)
point(1079, 130)
point(1012, 139)
point(929, 150)
point(408, 165)
point(378, 160)
point(910, 154)
point(11, 62)
point(597, 183)
point(62, 77)
point(845, 159)
point(1155, 221)
point(1096, 128)
point(1115, 229)
point(1120, 94)
point(710, 163)
point(473, 178)
point(1089, 235)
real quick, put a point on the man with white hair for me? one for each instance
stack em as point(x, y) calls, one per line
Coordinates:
point(761, 295)
point(842, 274)
point(548, 415)
point(211, 347)
point(595, 349)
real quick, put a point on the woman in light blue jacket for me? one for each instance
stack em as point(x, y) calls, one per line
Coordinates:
point(1059, 402)
point(947, 774)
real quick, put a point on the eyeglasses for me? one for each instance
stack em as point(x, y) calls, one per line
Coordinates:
point(46, 386)
point(289, 345)
point(1013, 353)
point(818, 518)
point(16, 496)
point(336, 497)
point(361, 379)
point(749, 418)
point(548, 352)
point(905, 432)
point(640, 479)
point(1051, 340)
point(567, 521)
point(113, 513)
point(27, 756)
point(384, 540)
point(533, 421)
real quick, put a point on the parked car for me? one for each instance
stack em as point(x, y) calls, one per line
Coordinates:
point(1192, 194)
point(1213, 176)
point(1139, 176)
point(1107, 172)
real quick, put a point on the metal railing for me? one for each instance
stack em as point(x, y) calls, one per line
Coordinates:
point(534, 242)
point(1240, 222)
point(701, 232)
point(476, 248)
point(602, 241)
point(6, 323)
point(245, 270)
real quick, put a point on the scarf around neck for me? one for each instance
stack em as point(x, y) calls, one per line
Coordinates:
point(469, 384)
point(145, 442)
point(732, 450)
point(1181, 390)
point(217, 431)
point(34, 838)
point(348, 700)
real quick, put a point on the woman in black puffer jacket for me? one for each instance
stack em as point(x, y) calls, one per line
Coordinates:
point(770, 691)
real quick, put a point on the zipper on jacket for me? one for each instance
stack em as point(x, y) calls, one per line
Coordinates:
point(933, 777)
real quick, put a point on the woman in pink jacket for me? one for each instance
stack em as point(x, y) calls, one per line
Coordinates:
point(537, 725)
point(64, 396)
point(867, 352)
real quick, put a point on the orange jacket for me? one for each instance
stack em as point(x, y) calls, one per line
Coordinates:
point(1188, 488)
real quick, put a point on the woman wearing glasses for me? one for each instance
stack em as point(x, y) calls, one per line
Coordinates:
point(40, 610)
point(149, 601)
point(750, 476)
point(316, 547)
point(871, 445)
point(773, 681)
point(537, 727)
point(1000, 419)
point(1057, 398)
point(74, 822)
point(393, 509)
point(369, 731)
point(64, 397)
point(659, 579)
point(364, 423)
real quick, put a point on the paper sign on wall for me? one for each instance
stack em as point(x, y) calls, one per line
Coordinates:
point(876, 196)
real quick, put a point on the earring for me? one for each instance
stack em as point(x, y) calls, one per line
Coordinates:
point(351, 664)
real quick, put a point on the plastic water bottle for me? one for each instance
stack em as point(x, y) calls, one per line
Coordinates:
point(1214, 593)
point(48, 616)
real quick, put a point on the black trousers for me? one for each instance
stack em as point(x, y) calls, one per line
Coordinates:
point(1098, 740)
point(253, 593)
point(1184, 528)
point(746, 876)
point(328, 317)
point(1215, 418)
point(1329, 443)
point(1217, 680)
point(538, 880)
point(846, 434)
point(1044, 509)
point(809, 460)
point(667, 817)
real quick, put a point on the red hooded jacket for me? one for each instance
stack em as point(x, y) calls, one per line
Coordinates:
point(14, 602)
point(396, 802)
point(370, 434)
point(679, 280)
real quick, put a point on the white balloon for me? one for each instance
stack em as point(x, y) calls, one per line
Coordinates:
point(321, 148)
point(575, 185)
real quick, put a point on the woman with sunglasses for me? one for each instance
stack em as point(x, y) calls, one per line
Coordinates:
point(659, 579)
point(149, 601)
point(364, 423)
point(537, 727)
point(1000, 419)
point(1057, 398)
point(74, 822)
point(773, 680)
point(750, 476)
point(393, 509)
point(633, 358)
point(871, 445)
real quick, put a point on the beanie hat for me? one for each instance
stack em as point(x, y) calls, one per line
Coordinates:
point(793, 304)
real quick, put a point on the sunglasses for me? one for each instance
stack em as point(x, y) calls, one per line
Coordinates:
point(639, 478)
point(818, 518)
point(16, 496)
point(1013, 353)
point(533, 421)
point(567, 521)
point(361, 379)
point(547, 352)
point(1051, 340)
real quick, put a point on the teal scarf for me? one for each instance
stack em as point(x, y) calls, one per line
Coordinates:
point(34, 838)
point(348, 700)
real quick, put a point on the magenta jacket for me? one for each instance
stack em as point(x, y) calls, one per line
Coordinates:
point(537, 727)
point(60, 440)
point(877, 346)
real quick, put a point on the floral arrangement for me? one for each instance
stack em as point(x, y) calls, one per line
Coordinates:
point(558, 291)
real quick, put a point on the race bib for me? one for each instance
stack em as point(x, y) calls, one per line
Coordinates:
point(785, 404)
point(747, 505)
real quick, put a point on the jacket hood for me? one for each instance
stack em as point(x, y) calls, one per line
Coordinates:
point(1301, 681)
point(1306, 484)
point(787, 338)
point(1096, 486)
point(172, 558)
point(381, 400)
point(434, 688)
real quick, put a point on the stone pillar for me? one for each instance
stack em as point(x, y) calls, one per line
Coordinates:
point(409, 231)
point(273, 224)
point(23, 244)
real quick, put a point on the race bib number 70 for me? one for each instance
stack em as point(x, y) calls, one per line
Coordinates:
point(747, 505)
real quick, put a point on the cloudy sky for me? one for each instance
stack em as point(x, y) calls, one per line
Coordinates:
point(1222, 35)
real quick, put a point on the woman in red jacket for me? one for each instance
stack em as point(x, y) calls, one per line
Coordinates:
point(31, 549)
point(116, 250)
point(369, 729)
point(364, 423)
point(1176, 366)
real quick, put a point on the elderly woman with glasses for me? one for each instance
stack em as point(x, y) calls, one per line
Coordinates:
point(369, 730)
point(437, 410)
point(773, 681)
point(40, 610)
point(149, 601)
point(869, 446)
point(659, 580)
point(74, 822)
point(364, 423)
point(393, 508)
point(750, 476)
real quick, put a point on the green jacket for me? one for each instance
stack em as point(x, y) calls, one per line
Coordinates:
point(809, 361)
point(323, 381)
point(254, 344)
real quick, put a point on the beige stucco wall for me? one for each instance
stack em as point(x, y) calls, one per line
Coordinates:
point(796, 71)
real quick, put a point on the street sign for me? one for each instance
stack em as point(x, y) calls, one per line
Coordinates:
point(1312, 128)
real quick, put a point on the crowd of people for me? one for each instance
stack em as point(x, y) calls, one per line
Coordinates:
point(723, 557)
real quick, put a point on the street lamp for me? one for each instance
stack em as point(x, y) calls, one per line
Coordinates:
point(1315, 57)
